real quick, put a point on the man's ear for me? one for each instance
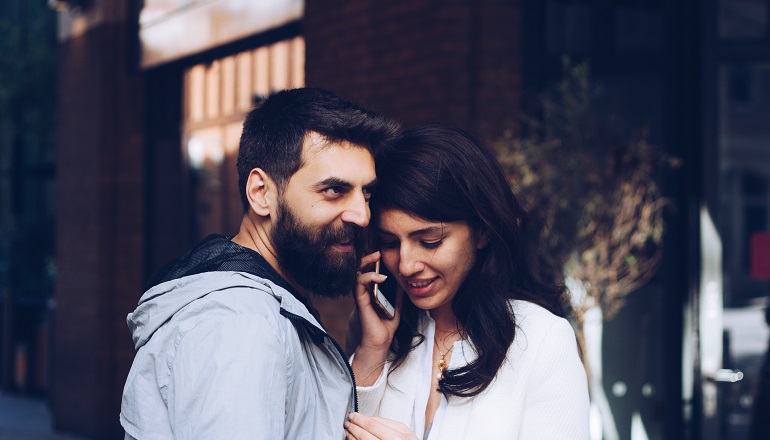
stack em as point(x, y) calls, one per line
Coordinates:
point(260, 192)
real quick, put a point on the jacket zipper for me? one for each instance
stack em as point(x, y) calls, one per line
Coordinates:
point(315, 329)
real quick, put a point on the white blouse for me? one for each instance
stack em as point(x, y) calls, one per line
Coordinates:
point(540, 391)
point(425, 379)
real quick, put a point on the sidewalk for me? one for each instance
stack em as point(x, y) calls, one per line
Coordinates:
point(26, 418)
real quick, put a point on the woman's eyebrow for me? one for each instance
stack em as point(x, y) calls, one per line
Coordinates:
point(428, 230)
point(423, 231)
point(371, 186)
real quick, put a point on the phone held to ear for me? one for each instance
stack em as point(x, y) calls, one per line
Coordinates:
point(379, 296)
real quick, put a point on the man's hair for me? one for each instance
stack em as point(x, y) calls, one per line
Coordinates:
point(273, 132)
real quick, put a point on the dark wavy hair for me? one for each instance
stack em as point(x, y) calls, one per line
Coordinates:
point(443, 174)
point(274, 131)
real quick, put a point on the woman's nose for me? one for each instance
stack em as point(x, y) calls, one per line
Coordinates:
point(409, 263)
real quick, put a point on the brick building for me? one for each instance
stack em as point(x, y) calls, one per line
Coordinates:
point(151, 96)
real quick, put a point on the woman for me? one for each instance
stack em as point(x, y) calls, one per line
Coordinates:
point(479, 347)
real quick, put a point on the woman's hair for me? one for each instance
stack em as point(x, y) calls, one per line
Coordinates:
point(442, 174)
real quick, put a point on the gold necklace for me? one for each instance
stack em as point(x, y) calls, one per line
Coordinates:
point(442, 365)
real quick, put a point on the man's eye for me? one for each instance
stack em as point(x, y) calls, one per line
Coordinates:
point(333, 190)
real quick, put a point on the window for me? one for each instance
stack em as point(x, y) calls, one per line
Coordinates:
point(217, 96)
point(742, 19)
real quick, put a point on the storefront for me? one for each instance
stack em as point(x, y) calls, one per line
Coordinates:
point(163, 128)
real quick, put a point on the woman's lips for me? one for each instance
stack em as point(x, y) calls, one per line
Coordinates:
point(420, 287)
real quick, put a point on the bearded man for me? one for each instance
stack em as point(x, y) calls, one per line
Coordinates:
point(228, 345)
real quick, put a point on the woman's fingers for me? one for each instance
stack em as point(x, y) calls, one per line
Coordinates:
point(364, 428)
point(369, 259)
point(367, 278)
point(355, 432)
point(376, 331)
point(363, 296)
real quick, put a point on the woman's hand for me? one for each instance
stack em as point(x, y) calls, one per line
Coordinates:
point(361, 427)
point(376, 330)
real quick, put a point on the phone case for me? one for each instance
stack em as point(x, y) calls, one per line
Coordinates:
point(380, 299)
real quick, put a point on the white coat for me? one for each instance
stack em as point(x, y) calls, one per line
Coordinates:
point(540, 391)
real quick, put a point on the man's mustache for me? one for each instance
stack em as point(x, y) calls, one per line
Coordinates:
point(344, 234)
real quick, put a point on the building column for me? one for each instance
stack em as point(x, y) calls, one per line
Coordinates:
point(100, 189)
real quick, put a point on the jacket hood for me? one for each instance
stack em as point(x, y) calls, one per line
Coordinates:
point(162, 302)
point(213, 264)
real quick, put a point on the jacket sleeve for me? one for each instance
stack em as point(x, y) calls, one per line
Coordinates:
point(228, 380)
point(557, 403)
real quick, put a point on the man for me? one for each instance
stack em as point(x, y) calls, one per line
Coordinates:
point(228, 347)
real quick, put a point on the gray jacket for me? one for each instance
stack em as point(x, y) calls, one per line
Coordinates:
point(231, 355)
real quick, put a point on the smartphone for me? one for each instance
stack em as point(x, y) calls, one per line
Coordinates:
point(385, 293)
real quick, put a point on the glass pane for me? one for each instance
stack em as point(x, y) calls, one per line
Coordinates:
point(298, 62)
point(262, 71)
point(205, 152)
point(243, 95)
point(638, 28)
point(569, 28)
point(213, 89)
point(228, 86)
point(742, 18)
point(279, 65)
point(195, 86)
point(635, 379)
point(744, 109)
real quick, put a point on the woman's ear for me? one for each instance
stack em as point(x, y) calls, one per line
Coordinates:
point(482, 239)
point(260, 192)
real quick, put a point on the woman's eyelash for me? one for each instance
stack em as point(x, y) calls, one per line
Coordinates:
point(432, 244)
point(426, 244)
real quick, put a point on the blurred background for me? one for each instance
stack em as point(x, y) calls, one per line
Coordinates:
point(120, 121)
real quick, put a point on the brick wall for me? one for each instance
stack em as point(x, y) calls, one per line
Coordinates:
point(99, 229)
point(420, 61)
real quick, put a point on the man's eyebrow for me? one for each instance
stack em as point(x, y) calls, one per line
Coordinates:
point(336, 181)
point(333, 181)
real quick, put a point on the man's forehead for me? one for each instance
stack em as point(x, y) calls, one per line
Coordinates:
point(324, 159)
point(315, 143)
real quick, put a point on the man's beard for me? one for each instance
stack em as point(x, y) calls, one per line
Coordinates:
point(306, 255)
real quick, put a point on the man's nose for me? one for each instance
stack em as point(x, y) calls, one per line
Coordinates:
point(357, 210)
